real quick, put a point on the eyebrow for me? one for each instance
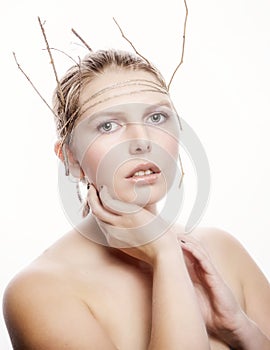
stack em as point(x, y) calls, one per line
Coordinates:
point(119, 114)
point(163, 103)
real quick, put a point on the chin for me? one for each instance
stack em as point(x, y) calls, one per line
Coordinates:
point(144, 196)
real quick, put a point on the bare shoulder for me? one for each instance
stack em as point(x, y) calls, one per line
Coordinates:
point(213, 236)
point(45, 276)
point(33, 282)
point(225, 248)
point(44, 309)
point(239, 269)
point(29, 299)
point(227, 252)
point(220, 244)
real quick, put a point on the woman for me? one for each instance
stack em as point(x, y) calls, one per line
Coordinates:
point(125, 278)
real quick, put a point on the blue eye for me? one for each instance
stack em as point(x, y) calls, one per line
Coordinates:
point(157, 118)
point(108, 127)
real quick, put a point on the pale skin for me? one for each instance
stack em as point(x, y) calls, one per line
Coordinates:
point(175, 292)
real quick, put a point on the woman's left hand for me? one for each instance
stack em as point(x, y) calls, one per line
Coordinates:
point(221, 311)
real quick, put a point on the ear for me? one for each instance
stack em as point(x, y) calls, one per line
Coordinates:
point(72, 163)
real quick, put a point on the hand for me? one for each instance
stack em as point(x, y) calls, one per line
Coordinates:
point(221, 311)
point(129, 227)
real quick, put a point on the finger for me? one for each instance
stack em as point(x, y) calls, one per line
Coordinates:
point(97, 209)
point(199, 253)
point(193, 242)
point(116, 206)
point(116, 237)
point(108, 231)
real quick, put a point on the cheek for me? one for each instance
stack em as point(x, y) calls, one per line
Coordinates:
point(91, 161)
point(172, 147)
point(91, 149)
point(168, 142)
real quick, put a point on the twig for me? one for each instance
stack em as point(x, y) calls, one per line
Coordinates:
point(183, 46)
point(52, 63)
point(64, 53)
point(182, 171)
point(26, 76)
point(79, 37)
point(123, 35)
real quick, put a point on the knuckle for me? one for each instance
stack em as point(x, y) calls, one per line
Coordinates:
point(94, 210)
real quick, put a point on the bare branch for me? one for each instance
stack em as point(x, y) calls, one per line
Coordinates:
point(79, 37)
point(182, 171)
point(123, 35)
point(183, 46)
point(39, 94)
point(52, 63)
point(64, 53)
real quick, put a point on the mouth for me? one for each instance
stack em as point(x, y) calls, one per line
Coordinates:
point(147, 172)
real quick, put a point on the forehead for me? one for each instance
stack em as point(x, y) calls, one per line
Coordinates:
point(121, 87)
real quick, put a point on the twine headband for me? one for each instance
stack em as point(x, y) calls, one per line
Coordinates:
point(149, 86)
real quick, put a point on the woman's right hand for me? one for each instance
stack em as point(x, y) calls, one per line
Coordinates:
point(131, 228)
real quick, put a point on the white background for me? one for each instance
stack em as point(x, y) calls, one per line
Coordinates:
point(222, 91)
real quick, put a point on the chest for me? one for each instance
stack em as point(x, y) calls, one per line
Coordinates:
point(121, 301)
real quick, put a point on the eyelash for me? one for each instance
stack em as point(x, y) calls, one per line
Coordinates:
point(164, 115)
point(101, 125)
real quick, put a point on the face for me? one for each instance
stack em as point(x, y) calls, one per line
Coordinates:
point(126, 138)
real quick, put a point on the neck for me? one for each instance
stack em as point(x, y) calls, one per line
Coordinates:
point(89, 229)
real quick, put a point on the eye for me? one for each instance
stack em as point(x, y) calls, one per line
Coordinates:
point(108, 127)
point(157, 118)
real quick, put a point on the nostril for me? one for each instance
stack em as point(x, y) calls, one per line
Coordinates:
point(139, 146)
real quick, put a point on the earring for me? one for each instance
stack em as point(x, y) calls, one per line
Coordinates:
point(86, 209)
point(79, 195)
point(86, 206)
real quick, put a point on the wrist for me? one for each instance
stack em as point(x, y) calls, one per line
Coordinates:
point(247, 336)
point(169, 257)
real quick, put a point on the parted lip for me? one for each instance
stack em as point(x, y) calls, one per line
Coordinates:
point(144, 167)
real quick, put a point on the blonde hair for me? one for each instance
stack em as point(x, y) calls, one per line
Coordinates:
point(66, 96)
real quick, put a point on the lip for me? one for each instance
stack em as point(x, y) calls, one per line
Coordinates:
point(144, 180)
point(143, 167)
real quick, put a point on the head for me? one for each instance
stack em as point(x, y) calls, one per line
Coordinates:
point(116, 123)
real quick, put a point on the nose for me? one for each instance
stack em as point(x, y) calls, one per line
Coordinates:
point(139, 140)
point(139, 146)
